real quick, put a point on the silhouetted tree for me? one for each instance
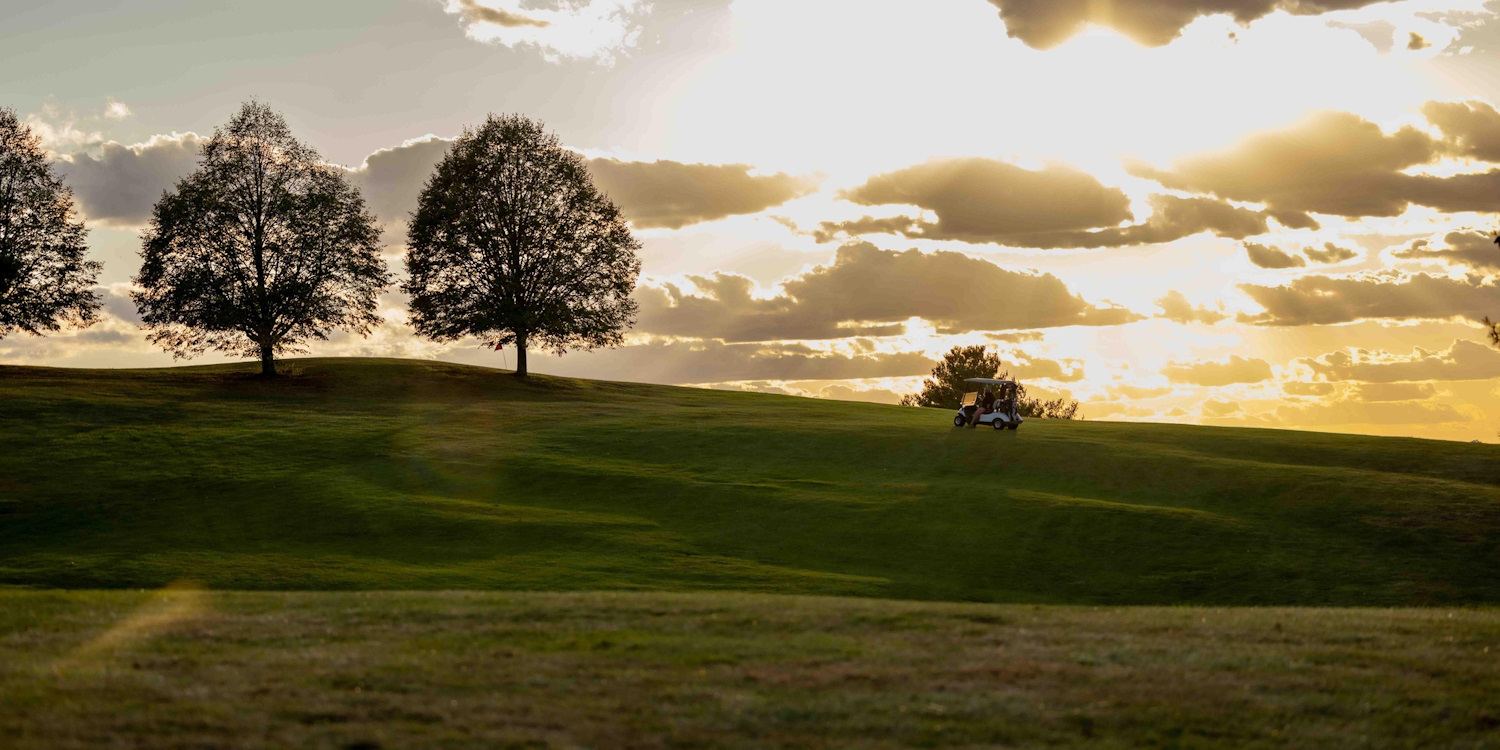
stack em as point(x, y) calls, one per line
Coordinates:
point(512, 243)
point(1494, 326)
point(44, 280)
point(262, 248)
point(946, 388)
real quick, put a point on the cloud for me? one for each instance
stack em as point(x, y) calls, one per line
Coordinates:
point(986, 200)
point(1036, 368)
point(579, 30)
point(1236, 369)
point(1464, 360)
point(1344, 412)
point(1380, 34)
point(1415, 42)
point(392, 178)
point(1332, 163)
point(1473, 250)
point(475, 13)
point(673, 194)
point(989, 201)
point(119, 184)
point(1047, 23)
point(115, 109)
point(1373, 392)
point(1266, 256)
point(1307, 389)
point(1215, 408)
point(650, 193)
point(869, 291)
point(1330, 253)
point(716, 362)
point(1328, 300)
point(1176, 308)
point(1470, 129)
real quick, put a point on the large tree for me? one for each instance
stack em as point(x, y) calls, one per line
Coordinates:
point(513, 244)
point(260, 250)
point(45, 282)
point(946, 388)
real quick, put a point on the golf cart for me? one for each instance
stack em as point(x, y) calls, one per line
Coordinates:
point(1002, 417)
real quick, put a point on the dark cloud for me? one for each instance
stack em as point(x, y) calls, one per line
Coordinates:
point(1470, 129)
point(1047, 23)
point(651, 194)
point(988, 201)
point(869, 291)
point(1266, 256)
point(672, 194)
point(1473, 250)
point(1236, 369)
point(392, 178)
point(1464, 360)
point(1327, 300)
point(1333, 163)
point(473, 12)
point(985, 200)
point(1176, 308)
point(120, 184)
point(1330, 253)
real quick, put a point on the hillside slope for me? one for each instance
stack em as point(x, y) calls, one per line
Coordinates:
point(401, 474)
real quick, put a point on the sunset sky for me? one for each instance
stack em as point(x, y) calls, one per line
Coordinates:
point(1244, 212)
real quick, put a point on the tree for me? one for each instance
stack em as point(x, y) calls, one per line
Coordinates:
point(261, 249)
point(1494, 326)
point(45, 281)
point(946, 388)
point(512, 243)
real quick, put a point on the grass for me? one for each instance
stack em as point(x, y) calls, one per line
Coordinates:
point(183, 668)
point(391, 474)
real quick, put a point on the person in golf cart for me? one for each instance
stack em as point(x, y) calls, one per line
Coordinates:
point(982, 406)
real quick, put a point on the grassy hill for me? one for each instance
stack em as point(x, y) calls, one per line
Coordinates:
point(390, 474)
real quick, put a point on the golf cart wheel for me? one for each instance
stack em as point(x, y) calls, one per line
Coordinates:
point(998, 424)
point(959, 421)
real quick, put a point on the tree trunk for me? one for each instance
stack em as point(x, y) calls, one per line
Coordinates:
point(520, 354)
point(267, 361)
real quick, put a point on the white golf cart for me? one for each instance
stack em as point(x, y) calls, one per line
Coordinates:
point(1002, 417)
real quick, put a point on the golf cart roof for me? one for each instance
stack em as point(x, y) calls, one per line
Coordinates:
point(988, 381)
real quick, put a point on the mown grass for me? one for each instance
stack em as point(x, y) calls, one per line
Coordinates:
point(184, 668)
point(390, 474)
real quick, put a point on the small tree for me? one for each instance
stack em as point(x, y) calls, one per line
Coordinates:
point(45, 282)
point(946, 388)
point(261, 249)
point(512, 243)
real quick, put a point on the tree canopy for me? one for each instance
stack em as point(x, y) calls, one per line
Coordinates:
point(263, 248)
point(513, 244)
point(45, 280)
point(946, 388)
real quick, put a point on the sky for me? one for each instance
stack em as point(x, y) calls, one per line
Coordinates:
point(1264, 213)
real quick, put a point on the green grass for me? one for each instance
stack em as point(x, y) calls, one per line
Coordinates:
point(190, 669)
point(388, 474)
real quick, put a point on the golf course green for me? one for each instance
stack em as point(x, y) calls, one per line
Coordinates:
point(361, 474)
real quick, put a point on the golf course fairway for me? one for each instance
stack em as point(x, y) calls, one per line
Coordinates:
point(395, 474)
